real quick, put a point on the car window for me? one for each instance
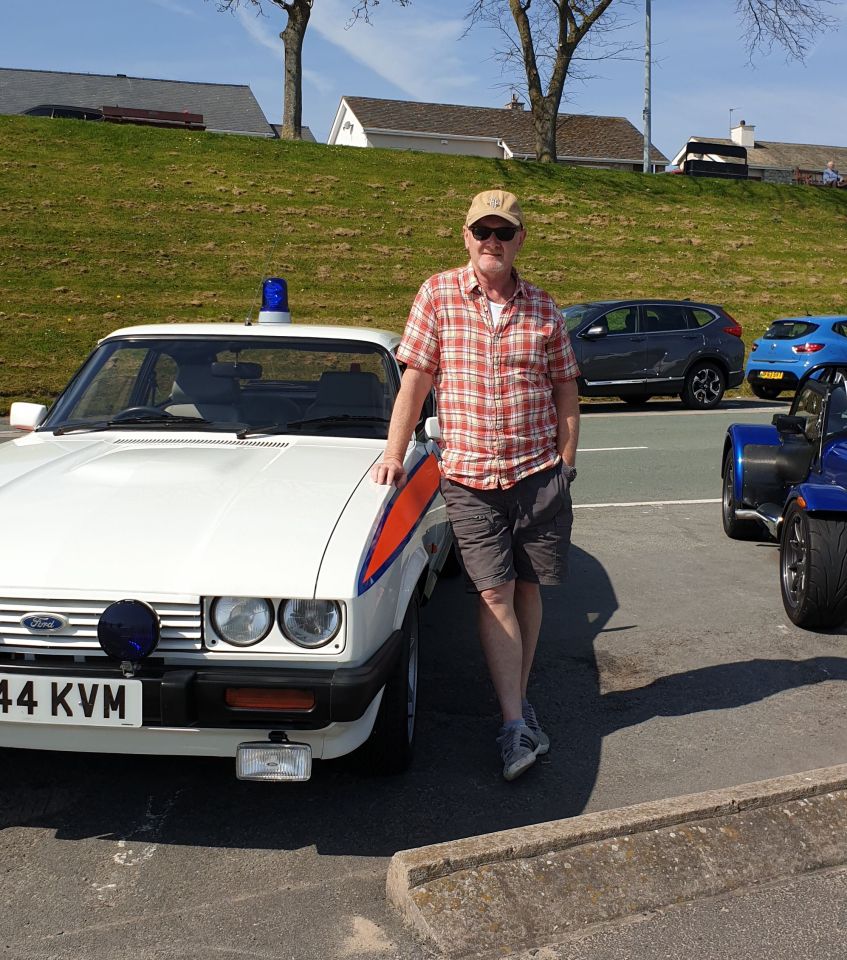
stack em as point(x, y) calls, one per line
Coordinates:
point(809, 404)
point(700, 317)
point(836, 411)
point(575, 315)
point(113, 389)
point(324, 386)
point(662, 318)
point(622, 320)
point(789, 330)
point(840, 328)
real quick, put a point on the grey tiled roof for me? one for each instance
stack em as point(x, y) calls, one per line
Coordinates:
point(578, 136)
point(226, 108)
point(768, 154)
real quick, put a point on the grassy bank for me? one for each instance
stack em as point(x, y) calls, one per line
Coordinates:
point(104, 226)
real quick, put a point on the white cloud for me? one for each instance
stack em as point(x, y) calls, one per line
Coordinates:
point(258, 29)
point(319, 81)
point(403, 47)
point(174, 7)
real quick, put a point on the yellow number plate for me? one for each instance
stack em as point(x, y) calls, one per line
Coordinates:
point(770, 375)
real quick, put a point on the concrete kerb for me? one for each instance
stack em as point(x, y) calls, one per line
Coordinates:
point(537, 885)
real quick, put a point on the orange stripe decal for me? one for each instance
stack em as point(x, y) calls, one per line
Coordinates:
point(403, 515)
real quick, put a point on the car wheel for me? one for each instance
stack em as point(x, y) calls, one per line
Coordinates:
point(812, 567)
point(704, 386)
point(734, 528)
point(391, 744)
point(764, 392)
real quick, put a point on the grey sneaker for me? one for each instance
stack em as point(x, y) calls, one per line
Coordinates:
point(531, 720)
point(518, 748)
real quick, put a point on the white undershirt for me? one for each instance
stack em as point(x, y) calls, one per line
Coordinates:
point(496, 309)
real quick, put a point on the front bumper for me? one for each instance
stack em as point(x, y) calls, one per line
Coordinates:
point(194, 697)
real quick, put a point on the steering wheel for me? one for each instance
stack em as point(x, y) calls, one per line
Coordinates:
point(130, 412)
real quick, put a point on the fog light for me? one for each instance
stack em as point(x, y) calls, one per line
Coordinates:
point(273, 761)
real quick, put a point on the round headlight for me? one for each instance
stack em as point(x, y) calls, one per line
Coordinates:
point(242, 621)
point(310, 623)
point(128, 630)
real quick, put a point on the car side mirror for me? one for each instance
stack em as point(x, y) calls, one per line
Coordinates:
point(595, 331)
point(432, 428)
point(788, 425)
point(26, 416)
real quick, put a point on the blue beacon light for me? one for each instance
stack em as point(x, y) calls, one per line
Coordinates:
point(274, 301)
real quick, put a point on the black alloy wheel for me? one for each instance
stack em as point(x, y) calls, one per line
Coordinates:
point(813, 568)
point(734, 528)
point(704, 386)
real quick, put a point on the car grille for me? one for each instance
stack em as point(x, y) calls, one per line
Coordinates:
point(182, 623)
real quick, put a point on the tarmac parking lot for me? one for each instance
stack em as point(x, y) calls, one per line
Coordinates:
point(666, 667)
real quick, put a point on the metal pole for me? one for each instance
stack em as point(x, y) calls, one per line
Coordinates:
point(647, 166)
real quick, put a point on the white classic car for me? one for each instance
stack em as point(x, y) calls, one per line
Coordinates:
point(197, 562)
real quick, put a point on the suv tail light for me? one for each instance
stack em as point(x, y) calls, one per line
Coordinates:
point(734, 328)
point(808, 347)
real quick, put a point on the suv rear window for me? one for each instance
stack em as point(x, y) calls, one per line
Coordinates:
point(789, 330)
point(701, 316)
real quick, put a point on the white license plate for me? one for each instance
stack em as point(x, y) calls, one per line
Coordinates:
point(83, 701)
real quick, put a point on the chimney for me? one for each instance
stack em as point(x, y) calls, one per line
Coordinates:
point(743, 135)
point(515, 104)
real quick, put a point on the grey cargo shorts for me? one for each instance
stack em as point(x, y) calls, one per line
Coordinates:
point(520, 533)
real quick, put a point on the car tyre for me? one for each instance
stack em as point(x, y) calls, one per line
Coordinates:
point(390, 747)
point(764, 392)
point(813, 569)
point(704, 386)
point(734, 528)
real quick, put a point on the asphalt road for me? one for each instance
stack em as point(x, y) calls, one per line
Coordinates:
point(666, 667)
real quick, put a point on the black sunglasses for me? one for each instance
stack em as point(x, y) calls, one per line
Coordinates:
point(504, 234)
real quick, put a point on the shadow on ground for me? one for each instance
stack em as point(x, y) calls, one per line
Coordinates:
point(454, 788)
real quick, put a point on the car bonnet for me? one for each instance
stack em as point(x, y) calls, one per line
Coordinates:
point(208, 517)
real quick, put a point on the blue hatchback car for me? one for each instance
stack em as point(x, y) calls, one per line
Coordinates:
point(791, 348)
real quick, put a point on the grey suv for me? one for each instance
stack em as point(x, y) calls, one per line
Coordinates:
point(637, 349)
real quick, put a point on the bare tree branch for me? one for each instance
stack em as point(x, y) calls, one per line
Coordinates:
point(790, 24)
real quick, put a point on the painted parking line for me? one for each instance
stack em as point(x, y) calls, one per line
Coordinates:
point(643, 503)
point(606, 449)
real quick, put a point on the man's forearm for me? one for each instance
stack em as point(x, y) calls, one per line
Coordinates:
point(566, 399)
point(407, 410)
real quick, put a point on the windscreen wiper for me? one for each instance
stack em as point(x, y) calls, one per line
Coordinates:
point(141, 420)
point(341, 418)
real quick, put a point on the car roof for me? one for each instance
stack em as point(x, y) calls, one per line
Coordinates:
point(828, 317)
point(383, 338)
point(639, 301)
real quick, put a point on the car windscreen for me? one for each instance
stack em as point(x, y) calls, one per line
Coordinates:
point(789, 330)
point(277, 384)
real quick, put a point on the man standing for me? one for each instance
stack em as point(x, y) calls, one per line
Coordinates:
point(831, 177)
point(497, 351)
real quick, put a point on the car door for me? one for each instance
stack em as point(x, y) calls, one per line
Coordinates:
point(672, 340)
point(616, 353)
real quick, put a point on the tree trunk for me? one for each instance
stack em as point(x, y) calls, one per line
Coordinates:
point(292, 36)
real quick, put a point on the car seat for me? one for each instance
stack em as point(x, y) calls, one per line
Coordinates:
point(348, 392)
point(197, 393)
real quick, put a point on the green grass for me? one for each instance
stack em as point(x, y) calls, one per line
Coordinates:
point(104, 226)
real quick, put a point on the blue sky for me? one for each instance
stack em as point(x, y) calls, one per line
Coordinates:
point(418, 53)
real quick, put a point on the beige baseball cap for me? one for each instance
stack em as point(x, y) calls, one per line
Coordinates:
point(495, 203)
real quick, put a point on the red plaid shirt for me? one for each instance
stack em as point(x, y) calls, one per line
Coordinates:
point(493, 383)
